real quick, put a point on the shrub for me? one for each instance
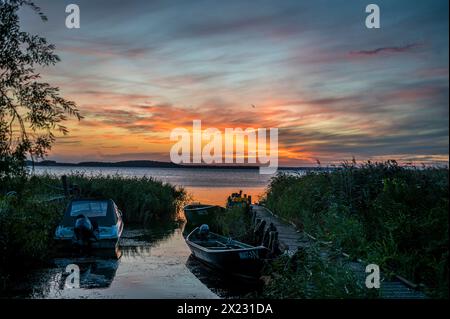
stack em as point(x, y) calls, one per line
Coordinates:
point(382, 212)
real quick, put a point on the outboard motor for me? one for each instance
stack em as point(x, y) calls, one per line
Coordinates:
point(83, 230)
point(203, 232)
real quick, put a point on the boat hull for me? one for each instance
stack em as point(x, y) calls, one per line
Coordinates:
point(231, 263)
point(100, 244)
point(244, 263)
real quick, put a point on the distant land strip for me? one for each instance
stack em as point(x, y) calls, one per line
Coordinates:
point(158, 164)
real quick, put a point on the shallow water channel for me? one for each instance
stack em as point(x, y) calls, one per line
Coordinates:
point(153, 263)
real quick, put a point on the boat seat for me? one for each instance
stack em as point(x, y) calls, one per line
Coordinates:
point(214, 244)
point(221, 244)
point(207, 243)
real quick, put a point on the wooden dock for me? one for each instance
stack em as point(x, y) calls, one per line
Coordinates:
point(295, 239)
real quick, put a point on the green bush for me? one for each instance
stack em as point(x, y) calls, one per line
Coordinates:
point(26, 234)
point(391, 215)
point(309, 275)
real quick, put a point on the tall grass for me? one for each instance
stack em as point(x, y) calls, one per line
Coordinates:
point(141, 199)
point(236, 223)
point(394, 216)
point(308, 274)
point(26, 229)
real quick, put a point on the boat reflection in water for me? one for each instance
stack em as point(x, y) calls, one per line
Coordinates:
point(98, 268)
point(225, 286)
point(95, 271)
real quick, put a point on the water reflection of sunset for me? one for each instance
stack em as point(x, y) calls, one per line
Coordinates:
point(219, 195)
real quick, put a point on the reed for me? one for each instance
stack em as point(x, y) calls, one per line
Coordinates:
point(142, 200)
point(235, 223)
point(394, 216)
point(309, 275)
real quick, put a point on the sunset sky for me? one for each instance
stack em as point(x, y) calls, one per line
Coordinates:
point(333, 88)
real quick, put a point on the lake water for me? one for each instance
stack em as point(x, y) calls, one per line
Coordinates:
point(207, 186)
point(154, 262)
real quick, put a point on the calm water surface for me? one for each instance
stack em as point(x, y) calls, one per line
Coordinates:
point(208, 186)
point(154, 262)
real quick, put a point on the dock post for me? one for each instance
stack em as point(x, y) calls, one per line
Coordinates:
point(253, 216)
point(259, 231)
point(257, 221)
point(76, 191)
point(266, 238)
point(274, 243)
point(275, 249)
point(271, 239)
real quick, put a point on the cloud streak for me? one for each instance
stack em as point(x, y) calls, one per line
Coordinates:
point(387, 50)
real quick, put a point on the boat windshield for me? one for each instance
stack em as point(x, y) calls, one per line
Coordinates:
point(89, 208)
